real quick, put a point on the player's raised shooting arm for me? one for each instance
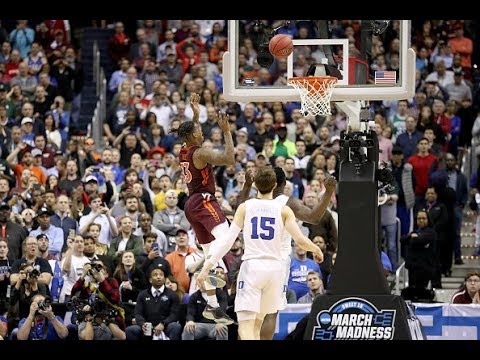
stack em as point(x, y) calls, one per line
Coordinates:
point(206, 156)
point(227, 157)
point(294, 230)
point(224, 124)
point(220, 247)
point(313, 216)
point(194, 101)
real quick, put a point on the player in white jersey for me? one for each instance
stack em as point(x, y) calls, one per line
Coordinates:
point(302, 213)
point(258, 285)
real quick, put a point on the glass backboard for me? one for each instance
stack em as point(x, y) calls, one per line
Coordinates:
point(371, 59)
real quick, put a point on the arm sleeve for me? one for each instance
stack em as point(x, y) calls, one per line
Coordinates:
point(219, 248)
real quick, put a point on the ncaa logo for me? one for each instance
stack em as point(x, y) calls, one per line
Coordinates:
point(354, 319)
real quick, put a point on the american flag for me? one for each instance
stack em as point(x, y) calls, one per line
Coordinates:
point(385, 77)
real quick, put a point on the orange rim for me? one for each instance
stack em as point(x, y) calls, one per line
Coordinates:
point(315, 82)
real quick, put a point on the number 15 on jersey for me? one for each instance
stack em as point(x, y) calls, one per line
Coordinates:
point(266, 231)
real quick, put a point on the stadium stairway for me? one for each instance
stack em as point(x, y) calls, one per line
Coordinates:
point(88, 96)
point(471, 262)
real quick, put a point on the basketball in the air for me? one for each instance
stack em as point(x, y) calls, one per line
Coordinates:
point(281, 46)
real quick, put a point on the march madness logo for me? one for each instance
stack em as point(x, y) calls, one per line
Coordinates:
point(354, 319)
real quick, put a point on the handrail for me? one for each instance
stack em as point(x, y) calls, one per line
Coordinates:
point(401, 270)
point(399, 235)
point(469, 161)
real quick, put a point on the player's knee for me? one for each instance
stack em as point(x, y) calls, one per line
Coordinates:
point(260, 316)
point(246, 315)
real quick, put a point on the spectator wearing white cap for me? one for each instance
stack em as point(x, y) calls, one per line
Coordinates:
point(48, 154)
point(27, 112)
point(37, 159)
point(91, 186)
point(27, 131)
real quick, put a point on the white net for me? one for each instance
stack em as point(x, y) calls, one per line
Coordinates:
point(315, 92)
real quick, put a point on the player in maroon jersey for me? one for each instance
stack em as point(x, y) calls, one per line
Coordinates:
point(201, 209)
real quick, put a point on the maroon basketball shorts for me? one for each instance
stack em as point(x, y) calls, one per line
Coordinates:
point(203, 212)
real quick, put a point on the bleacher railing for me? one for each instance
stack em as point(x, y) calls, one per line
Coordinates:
point(96, 127)
point(401, 273)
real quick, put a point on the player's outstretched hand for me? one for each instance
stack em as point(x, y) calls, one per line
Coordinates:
point(194, 101)
point(318, 256)
point(222, 120)
point(331, 184)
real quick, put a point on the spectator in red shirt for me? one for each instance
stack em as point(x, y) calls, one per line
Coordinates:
point(422, 162)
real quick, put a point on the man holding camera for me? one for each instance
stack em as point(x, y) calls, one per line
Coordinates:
point(95, 280)
point(41, 323)
point(25, 289)
point(99, 323)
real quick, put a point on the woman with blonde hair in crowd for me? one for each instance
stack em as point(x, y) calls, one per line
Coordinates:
point(94, 231)
point(29, 220)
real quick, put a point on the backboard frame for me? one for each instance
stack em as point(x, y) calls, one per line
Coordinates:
point(404, 90)
point(343, 42)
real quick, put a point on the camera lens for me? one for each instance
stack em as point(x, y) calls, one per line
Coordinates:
point(34, 273)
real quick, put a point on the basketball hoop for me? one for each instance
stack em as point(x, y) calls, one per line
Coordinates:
point(315, 92)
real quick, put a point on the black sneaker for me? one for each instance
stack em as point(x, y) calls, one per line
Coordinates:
point(217, 315)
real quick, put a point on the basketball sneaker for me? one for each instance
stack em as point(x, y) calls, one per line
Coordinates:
point(217, 315)
point(213, 279)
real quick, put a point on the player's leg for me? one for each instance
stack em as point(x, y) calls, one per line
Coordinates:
point(210, 222)
point(246, 325)
point(212, 311)
point(272, 300)
point(268, 326)
point(270, 321)
point(258, 326)
point(248, 298)
point(212, 281)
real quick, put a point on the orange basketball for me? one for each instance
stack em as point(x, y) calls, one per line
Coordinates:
point(281, 46)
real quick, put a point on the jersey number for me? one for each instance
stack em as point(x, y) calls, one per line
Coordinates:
point(186, 172)
point(267, 233)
